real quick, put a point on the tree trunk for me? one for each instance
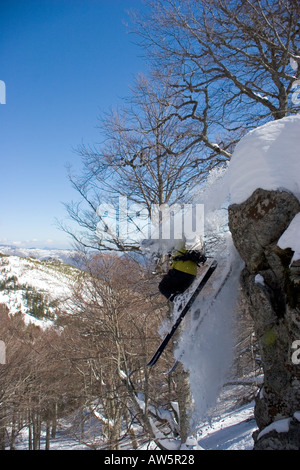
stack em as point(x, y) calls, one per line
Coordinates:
point(184, 401)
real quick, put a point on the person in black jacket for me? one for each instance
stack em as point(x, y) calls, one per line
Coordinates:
point(182, 273)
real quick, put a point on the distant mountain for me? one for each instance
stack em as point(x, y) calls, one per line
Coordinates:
point(36, 286)
point(66, 256)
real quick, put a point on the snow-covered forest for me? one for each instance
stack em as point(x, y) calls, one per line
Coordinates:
point(216, 118)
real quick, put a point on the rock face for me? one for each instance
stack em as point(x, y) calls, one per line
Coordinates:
point(272, 287)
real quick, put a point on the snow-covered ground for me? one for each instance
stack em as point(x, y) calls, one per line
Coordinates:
point(269, 158)
point(230, 429)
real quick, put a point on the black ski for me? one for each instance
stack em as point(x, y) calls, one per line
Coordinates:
point(183, 312)
point(172, 369)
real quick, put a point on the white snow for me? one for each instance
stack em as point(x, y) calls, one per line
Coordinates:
point(65, 256)
point(291, 239)
point(259, 279)
point(267, 157)
point(281, 425)
point(207, 338)
point(293, 63)
point(297, 415)
point(230, 429)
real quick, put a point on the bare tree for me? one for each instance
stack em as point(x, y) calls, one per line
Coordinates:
point(109, 337)
point(148, 157)
point(228, 60)
point(218, 68)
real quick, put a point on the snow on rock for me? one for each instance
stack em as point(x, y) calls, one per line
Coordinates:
point(290, 238)
point(297, 415)
point(230, 430)
point(281, 425)
point(267, 157)
point(259, 279)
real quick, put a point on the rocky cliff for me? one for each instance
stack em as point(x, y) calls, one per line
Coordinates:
point(271, 283)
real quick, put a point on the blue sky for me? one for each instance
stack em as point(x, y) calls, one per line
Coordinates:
point(63, 63)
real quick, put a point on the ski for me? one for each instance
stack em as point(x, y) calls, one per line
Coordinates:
point(185, 309)
point(172, 369)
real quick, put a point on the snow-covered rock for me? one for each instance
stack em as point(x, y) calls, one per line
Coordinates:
point(267, 157)
point(263, 184)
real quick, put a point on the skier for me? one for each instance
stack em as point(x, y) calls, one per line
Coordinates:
point(182, 273)
point(169, 288)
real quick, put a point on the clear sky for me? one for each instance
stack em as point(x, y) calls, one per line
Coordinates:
point(63, 63)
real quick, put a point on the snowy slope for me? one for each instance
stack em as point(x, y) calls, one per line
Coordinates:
point(231, 430)
point(52, 279)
